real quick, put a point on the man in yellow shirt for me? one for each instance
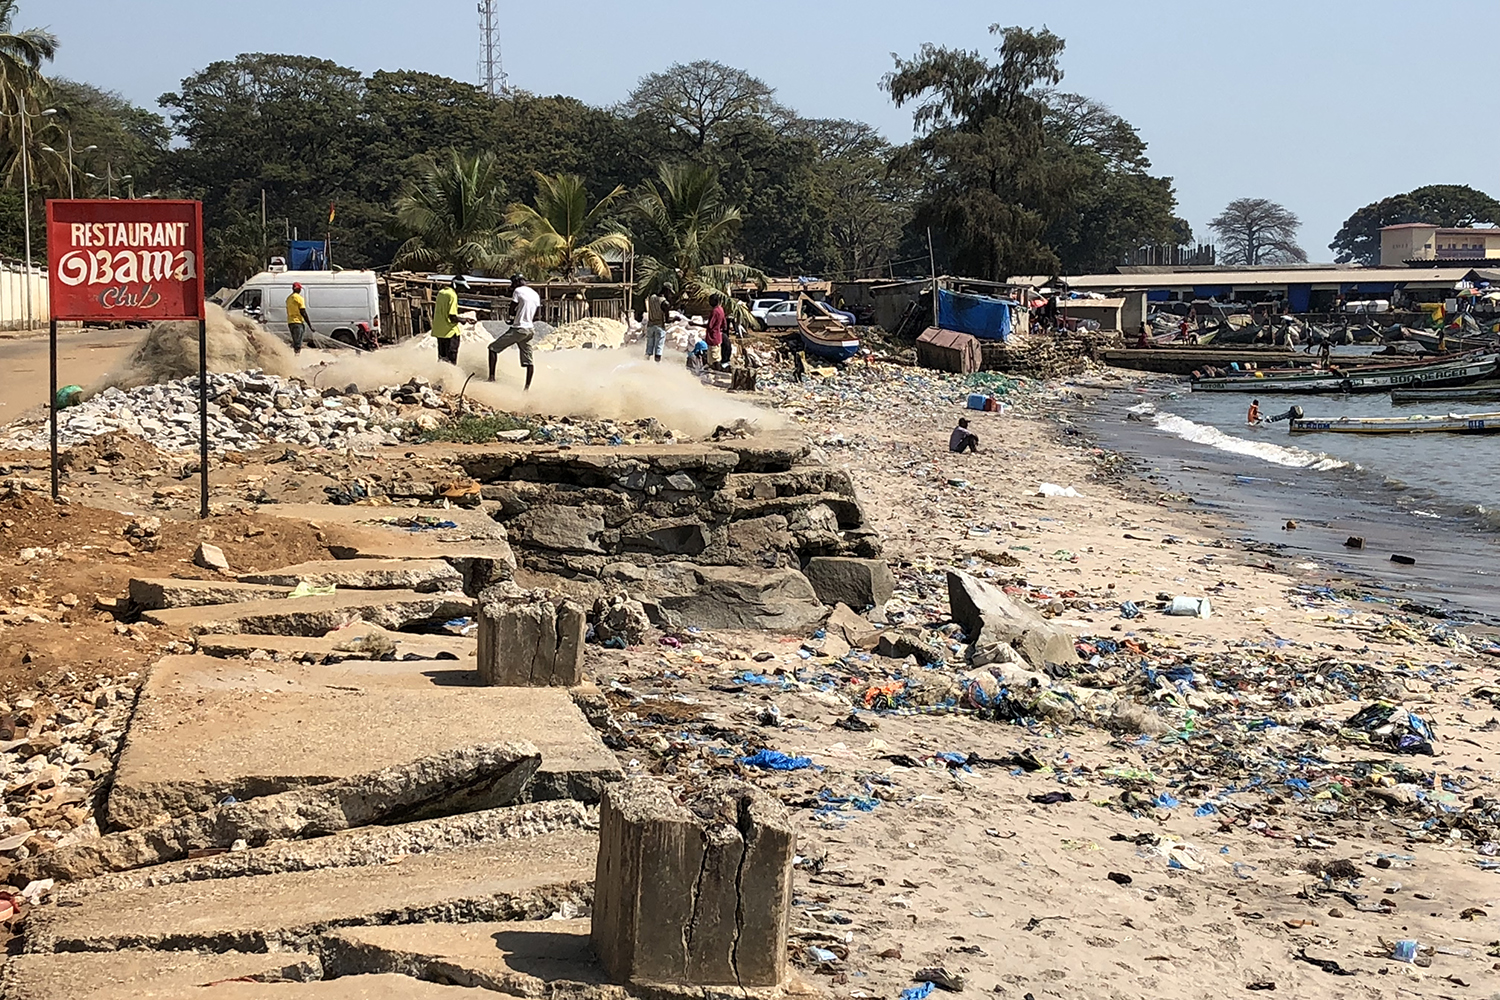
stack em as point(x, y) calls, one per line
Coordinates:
point(296, 317)
point(445, 327)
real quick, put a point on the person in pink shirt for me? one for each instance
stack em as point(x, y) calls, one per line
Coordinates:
point(717, 337)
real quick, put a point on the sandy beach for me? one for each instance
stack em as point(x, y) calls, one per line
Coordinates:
point(1182, 812)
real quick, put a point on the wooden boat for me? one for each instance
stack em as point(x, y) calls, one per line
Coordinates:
point(1459, 370)
point(1484, 392)
point(1417, 423)
point(823, 334)
point(1431, 341)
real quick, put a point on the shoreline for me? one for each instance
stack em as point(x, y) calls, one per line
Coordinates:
point(1455, 548)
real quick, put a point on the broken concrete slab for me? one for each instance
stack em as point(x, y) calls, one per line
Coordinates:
point(205, 728)
point(210, 557)
point(348, 988)
point(477, 546)
point(314, 616)
point(522, 958)
point(995, 623)
point(162, 594)
point(529, 640)
point(425, 576)
point(445, 783)
point(77, 976)
point(859, 583)
point(356, 642)
point(681, 899)
point(529, 879)
point(726, 596)
point(373, 845)
point(856, 630)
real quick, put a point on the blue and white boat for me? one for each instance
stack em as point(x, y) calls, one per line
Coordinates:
point(823, 334)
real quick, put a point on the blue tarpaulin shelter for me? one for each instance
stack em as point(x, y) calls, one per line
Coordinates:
point(977, 315)
point(308, 255)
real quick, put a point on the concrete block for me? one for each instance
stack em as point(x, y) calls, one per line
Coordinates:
point(991, 619)
point(205, 728)
point(679, 899)
point(314, 616)
point(526, 879)
point(859, 583)
point(159, 595)
point(453, 781)
point(210, 557)
point(356, 642)
point(530, 640)
point(425, 576)
point(348, 988)
point(76, 977)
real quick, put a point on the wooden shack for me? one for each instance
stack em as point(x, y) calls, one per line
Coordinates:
point(949, 351)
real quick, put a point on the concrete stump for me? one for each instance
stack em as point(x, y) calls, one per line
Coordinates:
point(689, 900)
point(530, 640)
point(859, 583)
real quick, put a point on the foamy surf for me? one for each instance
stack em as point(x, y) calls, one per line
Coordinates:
point(1212, 437)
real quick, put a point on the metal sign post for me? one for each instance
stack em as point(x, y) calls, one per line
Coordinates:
point(137, 261)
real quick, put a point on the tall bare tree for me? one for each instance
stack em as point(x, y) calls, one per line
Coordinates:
point(701, 100)
point(1257, 231)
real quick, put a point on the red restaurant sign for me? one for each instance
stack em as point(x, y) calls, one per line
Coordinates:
point(125, 260)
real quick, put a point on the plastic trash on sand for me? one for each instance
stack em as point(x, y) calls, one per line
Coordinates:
point(1388, 725)
point(775, 760)
point(1190, 607)
point(1054, 490)
point(305, 589)
point(919, 992)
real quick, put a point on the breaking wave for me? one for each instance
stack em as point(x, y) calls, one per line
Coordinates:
point(1293, 458)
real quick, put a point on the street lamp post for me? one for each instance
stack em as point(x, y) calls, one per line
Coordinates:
point(26, 198)
point(85, 149)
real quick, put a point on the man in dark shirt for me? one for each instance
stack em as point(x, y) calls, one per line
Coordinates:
point(962, 439)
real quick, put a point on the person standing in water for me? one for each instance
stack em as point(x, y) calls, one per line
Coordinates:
point(1253, 417)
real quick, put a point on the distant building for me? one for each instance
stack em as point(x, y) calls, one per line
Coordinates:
point(1423, 241)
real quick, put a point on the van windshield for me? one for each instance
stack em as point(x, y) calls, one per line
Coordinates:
point(248, 301)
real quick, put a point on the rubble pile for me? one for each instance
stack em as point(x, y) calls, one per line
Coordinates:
point(57, 750)
point(245, 410)
point(1048, 355)
point(593, 332)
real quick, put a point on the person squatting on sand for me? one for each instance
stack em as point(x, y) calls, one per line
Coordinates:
point(962, 439)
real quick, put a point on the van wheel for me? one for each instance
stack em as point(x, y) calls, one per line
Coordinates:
point(344, 336)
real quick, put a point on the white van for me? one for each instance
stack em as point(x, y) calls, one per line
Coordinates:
point(337, 301)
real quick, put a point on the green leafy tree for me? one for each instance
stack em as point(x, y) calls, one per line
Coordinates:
point(1115, 205)
point(22, 87)
point(561, 233)
point(868, 206)
point(1257, 231)
point(685, 228)
point(452, 217)
point(1447, 205)
point(125, 139)
point(981, 150)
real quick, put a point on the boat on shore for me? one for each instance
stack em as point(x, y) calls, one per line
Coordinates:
point(1479, 392)
point(823, 334)
point(1460, 370)
point(1417, 423)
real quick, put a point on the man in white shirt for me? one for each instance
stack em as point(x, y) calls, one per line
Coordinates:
point(524, 302)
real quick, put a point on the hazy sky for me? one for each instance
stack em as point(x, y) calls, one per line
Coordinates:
point(1323, 105)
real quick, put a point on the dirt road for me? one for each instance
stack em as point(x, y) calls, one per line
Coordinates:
point(82, 356)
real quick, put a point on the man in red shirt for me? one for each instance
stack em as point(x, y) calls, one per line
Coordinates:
point(717, 338)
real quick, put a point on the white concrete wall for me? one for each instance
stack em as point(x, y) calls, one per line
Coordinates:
point(13, 285)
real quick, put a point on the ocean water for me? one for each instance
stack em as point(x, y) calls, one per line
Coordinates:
point(1459, 473)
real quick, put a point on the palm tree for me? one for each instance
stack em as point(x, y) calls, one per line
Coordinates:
point(451, 216)
point(686, 225)
point(22, 86)
point(21, 55)
point(550, 237)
